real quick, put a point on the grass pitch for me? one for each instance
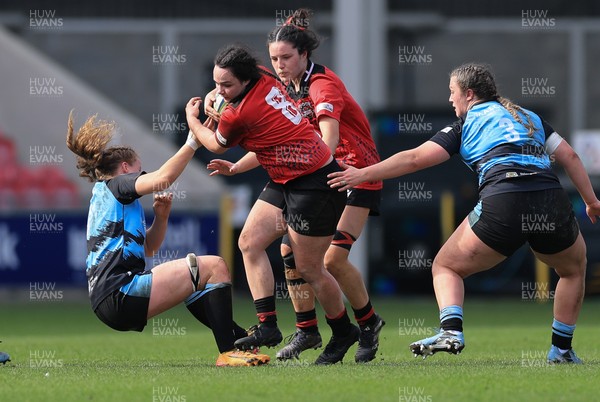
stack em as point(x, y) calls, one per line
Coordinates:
point(61, 352)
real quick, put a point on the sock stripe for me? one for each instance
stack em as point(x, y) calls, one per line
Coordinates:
point(340, 315)
point(262, 317)
point(307, 324)
point(562, 329)
point(447, 316)
point(208, 288)
point(366, 317)
point(561, 333)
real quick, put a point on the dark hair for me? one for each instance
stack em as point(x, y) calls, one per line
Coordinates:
point(479, 79)
point(94, 160)
point(295, 31)
point(239, 60)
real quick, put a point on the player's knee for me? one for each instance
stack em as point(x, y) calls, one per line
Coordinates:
point(333, 261)
point(218, 269)
point(337, 255)
point(246, 243)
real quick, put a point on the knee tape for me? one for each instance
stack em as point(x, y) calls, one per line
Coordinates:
point(343, 240)
point(192, 264)
point(295, 282)
point(288, 261)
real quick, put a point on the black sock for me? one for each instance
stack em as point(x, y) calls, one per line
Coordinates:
point(561, 342)
point(214, 310)
point(340, 325)
point(451, 318)
point(239, 332)
point(265, 310)
point(366, 315)
point(452, 324)
point(562, 334)
point(307, 321)
point(197, 309)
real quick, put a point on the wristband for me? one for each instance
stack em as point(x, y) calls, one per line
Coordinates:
point(191, 141)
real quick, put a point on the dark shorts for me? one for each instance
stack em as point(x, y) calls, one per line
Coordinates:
point(543, 218)
point(126, 309)
point(310, 207)
point(370, 199)
point(273, 194)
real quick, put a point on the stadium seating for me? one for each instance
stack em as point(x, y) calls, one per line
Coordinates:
point(32, 187)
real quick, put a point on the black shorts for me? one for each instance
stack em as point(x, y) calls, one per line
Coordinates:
point(371, 199)
point(125, 312)
point(543, 218)
point(310, 207)
point(273, 194)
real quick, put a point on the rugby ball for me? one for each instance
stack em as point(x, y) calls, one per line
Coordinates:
point(219, 104)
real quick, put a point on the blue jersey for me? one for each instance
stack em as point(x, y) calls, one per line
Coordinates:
point(116, 231)
point(499, 149)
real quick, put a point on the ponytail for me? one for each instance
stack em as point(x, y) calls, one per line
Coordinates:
point(94, 160)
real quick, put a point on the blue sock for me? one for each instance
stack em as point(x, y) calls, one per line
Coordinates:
point(562, 335)
point(451, 318)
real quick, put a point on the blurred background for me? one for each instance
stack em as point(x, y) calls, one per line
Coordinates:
point(138, 62)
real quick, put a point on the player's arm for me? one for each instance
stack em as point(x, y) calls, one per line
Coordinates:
point(330, 130)
point(426, 155)
point(161, 179)
point(204, 135)
point(328, 103)
point(227, 168)
point(156, 233)
point(566, 156)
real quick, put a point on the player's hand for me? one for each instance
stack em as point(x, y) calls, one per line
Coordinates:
point(222, 167)
point(593, 211)
point(209, 101)
point(192, 109)
point(347, 179)
point(162, 204)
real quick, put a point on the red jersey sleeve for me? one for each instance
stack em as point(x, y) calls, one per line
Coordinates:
point(327, 97)
point(230, 130)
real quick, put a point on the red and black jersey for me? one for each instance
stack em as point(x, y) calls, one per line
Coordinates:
point(322, 93)
point(266, 121)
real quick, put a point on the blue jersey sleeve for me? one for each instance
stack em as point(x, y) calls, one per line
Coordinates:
point(449, 137)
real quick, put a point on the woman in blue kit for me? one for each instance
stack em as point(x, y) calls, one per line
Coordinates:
point(123, 294)
point(510, 149)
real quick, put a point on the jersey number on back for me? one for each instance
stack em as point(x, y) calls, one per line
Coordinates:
point(508, 126)
point(278, 101)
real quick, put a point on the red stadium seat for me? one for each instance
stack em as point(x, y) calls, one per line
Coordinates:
point(25, 187)
point(8, 155)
